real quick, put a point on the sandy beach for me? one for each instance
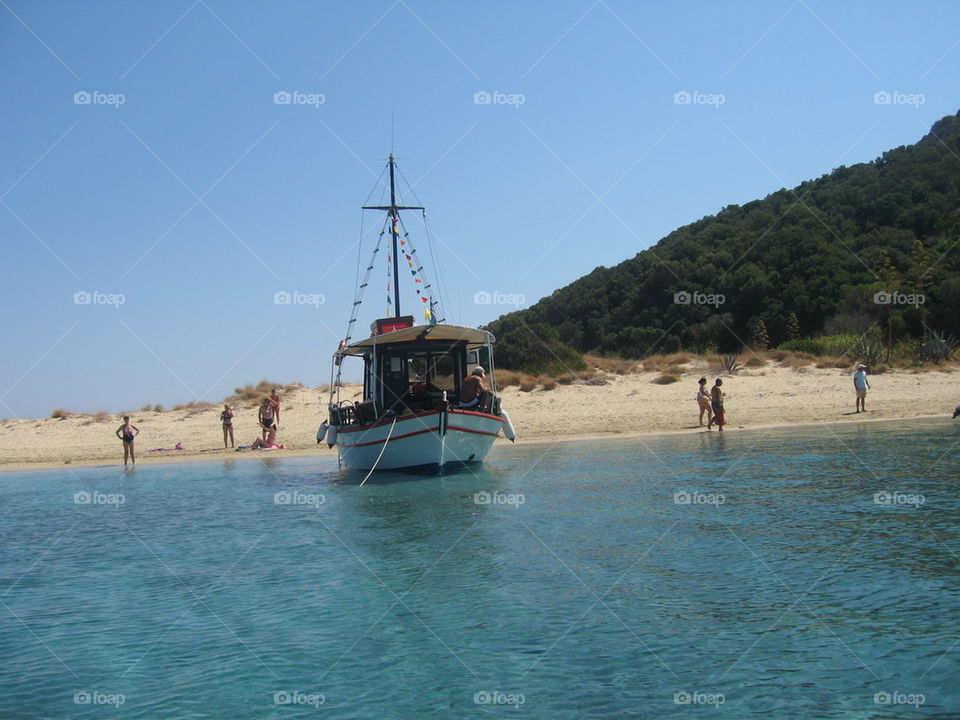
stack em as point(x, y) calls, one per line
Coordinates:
point(624, 405)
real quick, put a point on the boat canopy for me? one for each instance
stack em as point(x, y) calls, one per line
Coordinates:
point(420, 333)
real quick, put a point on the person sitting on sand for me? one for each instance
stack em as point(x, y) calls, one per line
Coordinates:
point(269, 444)
point(860, 386)
point(716, 402)
point(472, 388)
point(226, 417)
point(265, 417)
point(127, 432)
point(703, 400)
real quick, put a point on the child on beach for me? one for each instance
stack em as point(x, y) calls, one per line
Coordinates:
point(703, 400)
point(860, 386)
point(127, 432)
point(716, 402)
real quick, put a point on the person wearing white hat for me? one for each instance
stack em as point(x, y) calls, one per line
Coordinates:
point(472, 388)
point(860, 386)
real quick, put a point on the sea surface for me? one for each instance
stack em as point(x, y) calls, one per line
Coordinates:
point(801, 573)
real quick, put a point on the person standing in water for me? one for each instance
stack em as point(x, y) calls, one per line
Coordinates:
point(860, 387)
point(703, 400)
point(226, 417)
point(127, 432)
point(716, 402)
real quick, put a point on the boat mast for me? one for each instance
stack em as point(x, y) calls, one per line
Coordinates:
point(394, 219)
point(393, 212)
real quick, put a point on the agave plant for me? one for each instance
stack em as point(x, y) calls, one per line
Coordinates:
point(937, 347)
point(730, 363)
point(868, 350)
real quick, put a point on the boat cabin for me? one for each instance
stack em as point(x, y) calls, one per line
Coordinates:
point(411, 369)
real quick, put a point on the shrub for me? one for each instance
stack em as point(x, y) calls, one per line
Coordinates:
point(60, 414)
point(730, 363)
point(937, 348)
point(813, 347)
point(527, 383)
point(867, 350)
point(755, 361)
point(146, 408)
point(547, 383)
point(614, 366)
point(158, 408)
point(665, 379)
point(102, 416)
point(506, 378)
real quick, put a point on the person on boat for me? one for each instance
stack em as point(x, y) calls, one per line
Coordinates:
point(716, 402)
point(703, 400)
point(265, 417)
point(127, 432)
point(226, 418)
point(860, 387)
point(472, 388)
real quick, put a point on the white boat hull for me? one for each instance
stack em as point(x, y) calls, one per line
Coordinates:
point(417, 440)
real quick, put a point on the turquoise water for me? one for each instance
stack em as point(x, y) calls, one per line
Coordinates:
point(714, 576)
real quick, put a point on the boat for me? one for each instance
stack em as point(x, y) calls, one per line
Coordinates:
point(410, 416)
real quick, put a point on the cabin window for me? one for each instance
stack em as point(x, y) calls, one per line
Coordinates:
point(441, 372)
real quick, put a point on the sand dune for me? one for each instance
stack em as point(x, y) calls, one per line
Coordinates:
point(628, 404)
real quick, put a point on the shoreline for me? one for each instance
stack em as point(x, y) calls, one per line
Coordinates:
point(222, 454)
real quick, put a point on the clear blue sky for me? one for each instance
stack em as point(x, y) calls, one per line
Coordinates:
point(198, 198)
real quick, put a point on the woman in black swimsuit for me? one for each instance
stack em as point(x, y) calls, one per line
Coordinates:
point(127, 432)
point(226, 417)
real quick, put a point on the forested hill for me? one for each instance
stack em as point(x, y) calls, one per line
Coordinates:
point(821, 251)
